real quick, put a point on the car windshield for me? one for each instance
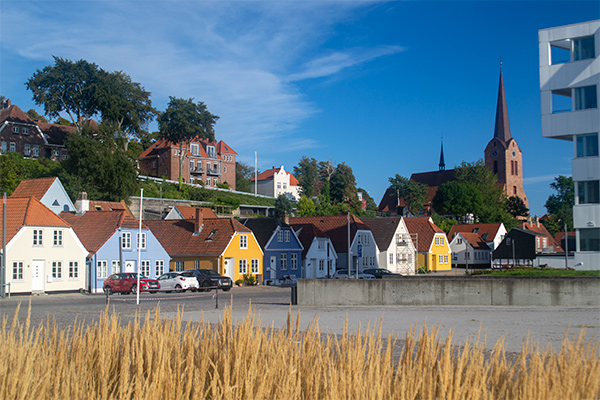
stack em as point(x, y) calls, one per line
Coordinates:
point(135, 276)
point(208, 272)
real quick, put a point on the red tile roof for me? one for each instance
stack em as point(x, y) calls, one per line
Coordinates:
point(189, 212)
point(178, 239)
point(95, 228)
point(97, 205)
point(425, 230)
point(27, 212)
point(268, 174)
point(162, 144)
point(475, 241)
point(56, 134)
point(541, 229)
point(224, 148)
point(15, 114)
point(33, 187)
point(336, 227)
point(490, 229)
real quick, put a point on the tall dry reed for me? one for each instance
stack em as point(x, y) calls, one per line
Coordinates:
point(153, 358)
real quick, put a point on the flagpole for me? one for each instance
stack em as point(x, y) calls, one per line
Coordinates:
point(255, 174)
point(139, 243)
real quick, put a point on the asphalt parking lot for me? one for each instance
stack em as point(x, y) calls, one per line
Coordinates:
point(545, 325)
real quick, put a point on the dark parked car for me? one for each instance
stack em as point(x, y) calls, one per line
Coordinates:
point(208, 279)
point(379, 273)
point(126, 282)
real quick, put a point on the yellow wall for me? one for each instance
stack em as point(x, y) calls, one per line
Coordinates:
point(440, 248)
point(206, 262)
point(252, 252)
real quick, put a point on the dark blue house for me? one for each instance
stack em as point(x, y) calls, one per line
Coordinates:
point(282, 248)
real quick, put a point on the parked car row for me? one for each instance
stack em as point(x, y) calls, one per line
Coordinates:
point(369, 273)
point(192, 279)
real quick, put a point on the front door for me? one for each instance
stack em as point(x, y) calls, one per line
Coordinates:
point(37, 276)
point(273, 268)
point(129, 266)
point(228, 268)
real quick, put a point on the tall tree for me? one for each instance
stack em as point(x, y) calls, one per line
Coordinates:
point(67, 87)
point(243, 177)
point(457, 199)
point(306, 207)
point(183, 121)
point(124, 103)
point(326, 170)
point(282, 205)
point(413, 193)
point(307, 172)
point(35, 116)
point(343, 184)
point(475, 173)
point(516, 207)
point(560, 205)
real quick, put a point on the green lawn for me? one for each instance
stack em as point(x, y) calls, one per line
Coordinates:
point(530, 271)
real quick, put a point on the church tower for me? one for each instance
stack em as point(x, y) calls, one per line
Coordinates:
point(502, 155)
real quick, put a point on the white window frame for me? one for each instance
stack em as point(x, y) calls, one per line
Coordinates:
point(58, 239)
point(179, 266)
point(243, 266)
point(17, 272)
point(15, 129)
point(27, 149)
point(159, 267)
point(254, 266)
point(38, 237)
point(3, 147)
point(287, 236)
point(25, 130)
point(36, 150)
point(115, 267)
point(283, 261)
point(56, 269)
point(280, 236)
point(322, 265)
point(293, 261)
point(12, 146)
point(101, 269)
point(143, 246)
point(126, 240)
point(243, 241)
point(391, 259)
point(145, 267)
point(73, 269)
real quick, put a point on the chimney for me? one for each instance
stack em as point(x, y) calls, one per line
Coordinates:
point(537, 221)
point(286, 217)
point(82, 205)
point(199, 221)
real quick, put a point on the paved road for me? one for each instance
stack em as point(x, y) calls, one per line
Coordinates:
point(545, 324)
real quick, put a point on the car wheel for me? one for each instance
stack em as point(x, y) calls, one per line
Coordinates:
point(152, 291)
point(178, 288)
point(206, 286)
point(168, 291)
point(108, 290)
point(194, 289)
point(226, 289)
point(134, 289)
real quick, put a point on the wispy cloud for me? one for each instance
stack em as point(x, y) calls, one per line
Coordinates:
point(542, 178)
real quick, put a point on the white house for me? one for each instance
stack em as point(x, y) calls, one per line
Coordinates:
point(43, 253)
point(492, 233)
point(276, 181)
point(318, 256)
point(569, 91)
point(396, 250)
point(470, 249)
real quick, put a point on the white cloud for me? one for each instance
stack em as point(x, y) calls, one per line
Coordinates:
point(542, 178)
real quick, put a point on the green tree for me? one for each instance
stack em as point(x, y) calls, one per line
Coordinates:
point(457, 199)
point(371, 205)
point(243, 177)
point(475, 173)
point(560, 205)
point(69, 87)
point(35, 116)
point(306, 207)
point(183, 121)
point(282, 205)
point(413, 193)
point(443, 223)
point(516, 207)
point(15, 168)
point(307, 173)
point(343, 184)
point(124, 103)
point(326, 170)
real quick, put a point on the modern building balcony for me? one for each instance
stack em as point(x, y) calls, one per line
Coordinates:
point(198, 170)
point(213, 171)
point(563, 125)
point(586, 216)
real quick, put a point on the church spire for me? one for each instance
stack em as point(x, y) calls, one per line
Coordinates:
point(502, 128)
point(442, 163)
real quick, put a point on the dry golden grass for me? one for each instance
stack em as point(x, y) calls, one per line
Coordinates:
point(152, 358)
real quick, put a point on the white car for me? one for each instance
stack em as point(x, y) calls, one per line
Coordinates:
point(170, 281)
point(343, 274)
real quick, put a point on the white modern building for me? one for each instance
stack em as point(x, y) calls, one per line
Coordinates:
point(570, 87)
point(277, 181)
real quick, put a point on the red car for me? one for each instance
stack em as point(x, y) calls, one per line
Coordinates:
point(126, 282)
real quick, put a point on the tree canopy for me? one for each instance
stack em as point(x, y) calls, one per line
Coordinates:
point(183, 121)
point(560, 205)
point(458, 199)
point(243, 177)
point(307, 173)
point(413, 193)
point(282, 205)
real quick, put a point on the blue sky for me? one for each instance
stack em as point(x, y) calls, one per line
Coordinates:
point(372, 84)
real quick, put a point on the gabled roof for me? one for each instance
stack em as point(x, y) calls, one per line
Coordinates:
point(95, 228)
point(224, 148)
point(541, 230)
point(162, 145)
point(475, 241)
point(487, 231)
point(189, 212)
point(268, 174)
point(433, 178)
point(425, 230)
point(33, 188)
point(178, 239)
point(306, 234)
point(56, 134)
point(384, 230)
point(336, 227)
point(97, 205)
point(15, 114)
point(263, 228)
point(27, 212)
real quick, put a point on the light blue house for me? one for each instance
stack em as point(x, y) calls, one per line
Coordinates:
point(49, 191)
point(111, 237)
point(282, 248)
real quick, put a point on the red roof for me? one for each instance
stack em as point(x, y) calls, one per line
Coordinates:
point(15, 114)
point(162, 144)
point(97, 205)
point(33, 188)
point(268, 174)
point(486, 231)
point(541, 229)
point(334, 226)
point(27, 212)
point(224, 148)
point(189, 212)
point(475, 241)
point(425, 230)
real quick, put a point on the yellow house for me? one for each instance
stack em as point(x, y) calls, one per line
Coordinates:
point(433, 247)
point(221, 244)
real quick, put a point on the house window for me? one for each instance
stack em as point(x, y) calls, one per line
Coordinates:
point(586, 98)
point(437, 241)
point(179, 266)
point(391, 259)
point(56, 269)
point(561, 101)
point(58, 238)
point(254, 269)
point(441, 259)
point(583, 48)
point(587, 145)
point(3, 147)
point(283, 261)
point(287, 236)
point(36, 150)
point(278, 185)
point(208, 181)
point(196, 264)
point(225, 169)
point(445, 259)
point(116, 267)
point(73, 269)
point(294, 261)
point(141, 245)
point(17, 273)
point(37, 237)
point(589, 239)
point(280, 236)
point(159, 267)
point(441, 241)
point(243, 267)
point(243, 241)
point(25, 131)
point(458, 241)
point(321, 243)
point(126, 240)
point(13, 146)
point(195, 149)
point(15, 129)
point(101, 267)
point(191, 165)
point(210, 150)
point(588, 192)
point(27, 149)
point(514, 190)
point(146, 267)
point(321, 265)
point(55, 153)
point(330, 265)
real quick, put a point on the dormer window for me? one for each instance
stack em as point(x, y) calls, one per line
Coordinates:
point(210, 150)
point(195, 149)
point(15, 129)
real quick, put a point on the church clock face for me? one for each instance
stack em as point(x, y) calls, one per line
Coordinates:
point(494, 153)
point(514, 153)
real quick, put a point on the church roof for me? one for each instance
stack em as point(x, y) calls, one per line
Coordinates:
point(502, 127)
